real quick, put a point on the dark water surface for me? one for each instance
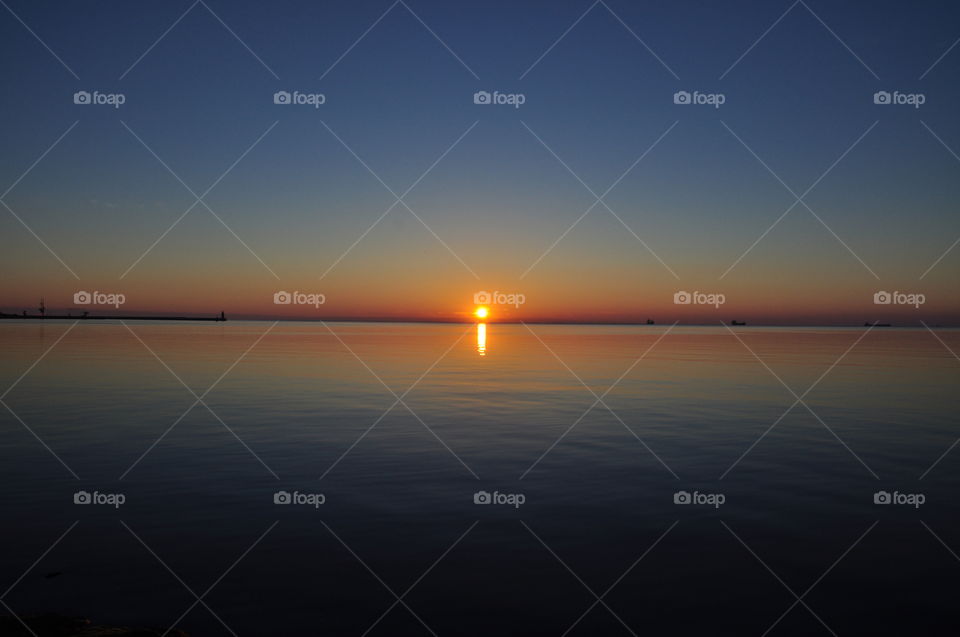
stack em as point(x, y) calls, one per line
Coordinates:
point(680, 410)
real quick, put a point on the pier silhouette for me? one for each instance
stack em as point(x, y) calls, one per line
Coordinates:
point(86, 316)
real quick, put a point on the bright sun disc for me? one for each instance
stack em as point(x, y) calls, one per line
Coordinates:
point(481, 312)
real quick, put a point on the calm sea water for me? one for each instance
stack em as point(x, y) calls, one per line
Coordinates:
point(313, 409)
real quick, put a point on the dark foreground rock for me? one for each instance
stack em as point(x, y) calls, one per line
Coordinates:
point(50, 625)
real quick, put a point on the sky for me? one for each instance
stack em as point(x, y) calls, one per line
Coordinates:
point(796, 200)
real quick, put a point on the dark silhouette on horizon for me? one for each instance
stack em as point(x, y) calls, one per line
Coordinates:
point(42, 314)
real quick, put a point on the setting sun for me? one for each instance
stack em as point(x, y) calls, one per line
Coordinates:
point(481, 312)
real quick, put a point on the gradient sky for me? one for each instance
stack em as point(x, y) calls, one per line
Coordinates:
point(399, 99)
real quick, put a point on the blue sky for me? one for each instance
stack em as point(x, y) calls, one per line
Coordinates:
point(800, 98)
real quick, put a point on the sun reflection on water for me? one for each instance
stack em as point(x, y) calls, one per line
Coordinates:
point(482, 339)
